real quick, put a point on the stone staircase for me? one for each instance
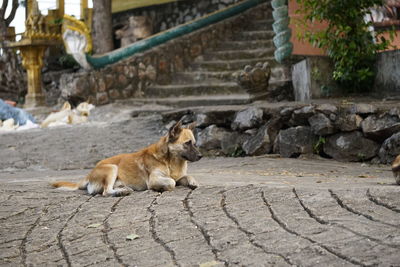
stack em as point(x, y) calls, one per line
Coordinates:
point(209, 79)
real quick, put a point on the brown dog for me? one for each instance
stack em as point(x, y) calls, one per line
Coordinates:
point(396, 169)
point(159, 167)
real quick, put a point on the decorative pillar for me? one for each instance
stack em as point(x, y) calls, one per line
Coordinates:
point(28, 8)
point(84, 6)
point(60, 8)
point(32, 61)
point(38, 36)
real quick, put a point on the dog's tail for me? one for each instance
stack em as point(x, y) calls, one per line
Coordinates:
point(70, 185)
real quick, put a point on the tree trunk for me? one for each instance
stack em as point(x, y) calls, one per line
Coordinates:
point(12, 77)
point(102, 27)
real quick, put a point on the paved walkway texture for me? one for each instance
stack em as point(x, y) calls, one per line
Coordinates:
point(253, 211)
point(248, 211)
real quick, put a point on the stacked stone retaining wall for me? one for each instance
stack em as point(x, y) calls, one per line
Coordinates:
point(344, 132)
point(172, 14)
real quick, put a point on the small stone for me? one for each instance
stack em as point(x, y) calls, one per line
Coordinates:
point(211, 137)
point(232, 143)
point(286, 112)
point(248, 118)
point(262, 142)
point(363, 109)
point(352, 146)
point(321, 125)
point(295, 141)
point(301, 116)
point(349, 122)
point(390, 149)
point(102, 98)
point(327, 109)
point(380, 128)
point(114, 94)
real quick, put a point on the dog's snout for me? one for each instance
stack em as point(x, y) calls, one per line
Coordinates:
point(199, 156)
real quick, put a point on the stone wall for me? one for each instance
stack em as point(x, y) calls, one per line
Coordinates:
point(172, 14)
point(345, 132)
point(131, 77)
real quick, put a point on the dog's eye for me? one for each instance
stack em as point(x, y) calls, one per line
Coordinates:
point(188, 143)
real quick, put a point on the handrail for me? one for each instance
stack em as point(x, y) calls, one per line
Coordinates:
point(162, 37)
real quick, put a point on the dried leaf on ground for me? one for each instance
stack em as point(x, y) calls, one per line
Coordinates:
point(95, 225)
point(132, 237)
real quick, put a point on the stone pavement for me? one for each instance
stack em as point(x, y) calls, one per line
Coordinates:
point(260, 211)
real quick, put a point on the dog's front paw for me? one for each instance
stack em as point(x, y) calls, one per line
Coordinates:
point(188, 181)
point(193, 184)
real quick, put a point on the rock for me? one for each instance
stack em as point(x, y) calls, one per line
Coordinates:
point(248, 118)
point(300, 116)
point(210, 138)
point(352, 146)
point(332, 117)
point(295, 141)
point(286, 112)
point(363, 109)
point(76, 85)
point(231, 144)
point(390, 149)
point(327, 109)
point(251, 131)
point(51, 85)
point(262, 142)
point(321, 125)
point(394, 112)
point(221, 118)
point(380, 128)
point(349, 122)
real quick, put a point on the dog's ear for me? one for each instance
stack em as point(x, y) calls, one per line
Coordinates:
point(192, 126)
point(175, 131)
point(66, 106)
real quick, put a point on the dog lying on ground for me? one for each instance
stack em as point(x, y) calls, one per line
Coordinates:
point(67, 115)
point(396, 169)
point(159, 167)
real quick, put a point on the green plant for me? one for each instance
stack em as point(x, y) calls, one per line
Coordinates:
point(346, 38)
point(239, 152)
point(318, 146)
point(361, 156)
point(67, 61)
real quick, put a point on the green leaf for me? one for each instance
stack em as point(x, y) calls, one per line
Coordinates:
point(132, 237)
point(346, 38)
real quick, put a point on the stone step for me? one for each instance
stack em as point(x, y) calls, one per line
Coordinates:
point(243, 45)
point(201, 76)
point(220, 88)
point(254, 35)
point(229, 65)
point(261, 25)
point(239, 54)
point(191, 101)
point(187, 77)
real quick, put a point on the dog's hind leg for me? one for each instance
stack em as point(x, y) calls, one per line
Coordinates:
point(102, 179)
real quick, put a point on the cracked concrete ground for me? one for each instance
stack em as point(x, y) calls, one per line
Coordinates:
point(253, 211)
point(248, 211)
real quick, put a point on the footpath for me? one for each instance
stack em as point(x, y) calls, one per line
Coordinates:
point(251, 211)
